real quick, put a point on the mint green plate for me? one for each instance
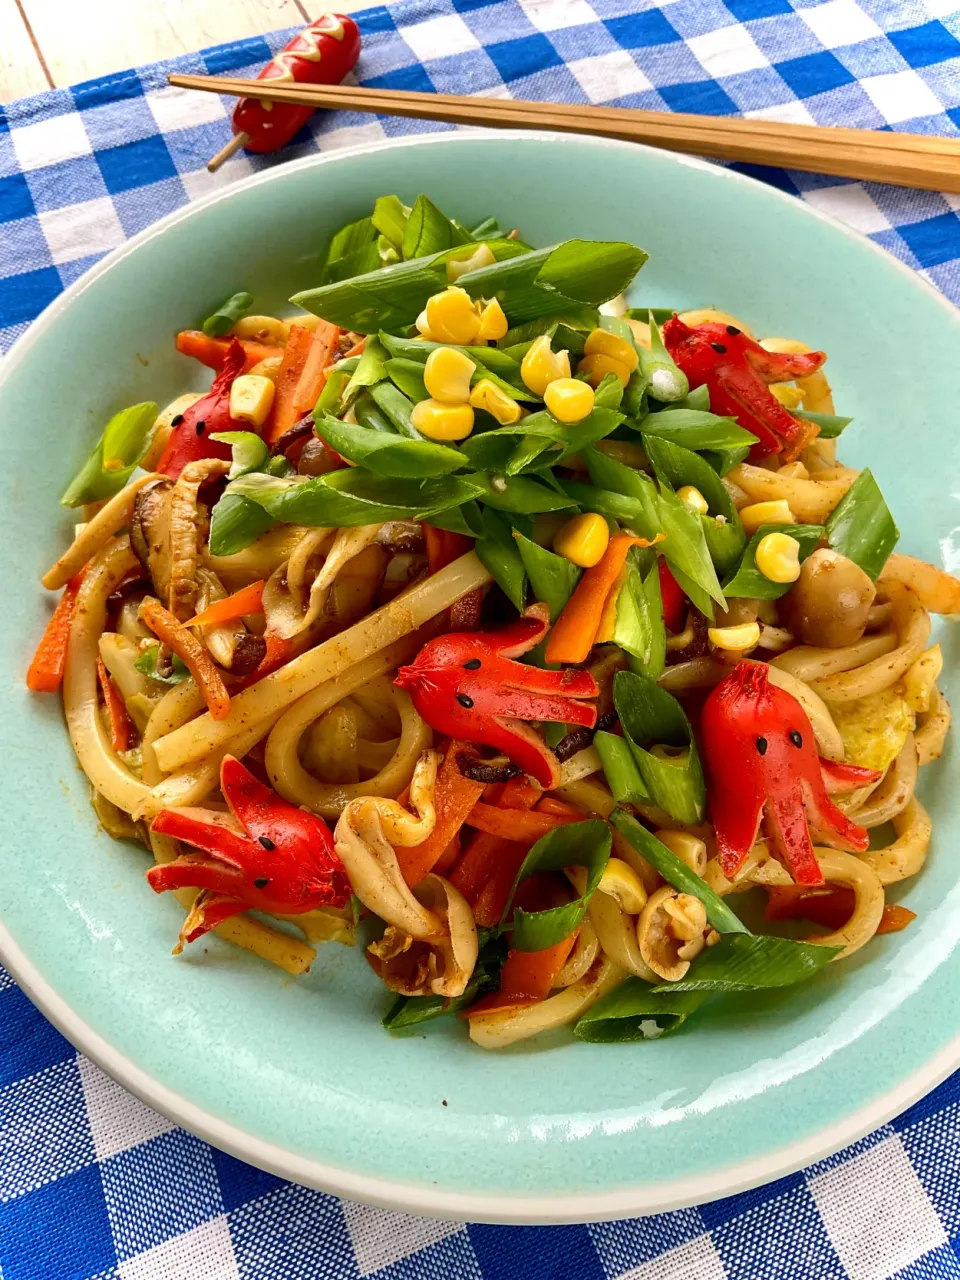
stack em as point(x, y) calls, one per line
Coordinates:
point(298, 1076)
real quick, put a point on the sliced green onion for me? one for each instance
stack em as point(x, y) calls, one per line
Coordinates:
point(498, 553)
point(694, 429)
point(861, 526)
point(609, 394)
point(639, 628)
point(408, 376)
point(748, 581)
point(369, 371)
point(668, 383)
point(622, 481)
point(236, 522)
point(655, 726)
point(146, 664)
point(250, 451)
point(659, 315)
point(488, 358)
point(227, 314)
point(389, 455)
point(124, 441)
point(676, 466)
point(747, 962)
point(619, 768)
point(397, 407)
point(677, 873)
point(686, 551)
point(578, 844)
point(519, 494)
point(829, 423)
point(389, 218)
point(331, 399)
point(552, 577)
point(428, 230)
point(634, 1011)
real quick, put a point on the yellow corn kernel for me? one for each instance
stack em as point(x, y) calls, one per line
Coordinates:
point(687, 847)
point(493, 323)
point(778, 557)
point(438, 421)
point(760, 513)
point(583, 540)
point(452, 316)
point(735, 639)
point(481, 257)
point(423, 328)
point(251, 398)
point(794, 471)
point(692, 497)
point(788, 395)
point(920, 680)
point(447, 374)
point(569, 399)
point(487, 395)
point(620, 881)
point(542, 365)
point(602, 343)
point(596, 367)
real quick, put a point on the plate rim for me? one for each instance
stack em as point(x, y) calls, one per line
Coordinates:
point(404, 1195)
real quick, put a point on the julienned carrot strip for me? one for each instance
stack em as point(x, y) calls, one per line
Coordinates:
point(520, 793)
point(477, 863)
point(356, 349)
point(213, 351)
point(284, 413)
point(449, 856)
point(322, 353)
point(490, 902)
point(557, 807)
point(454, 799)
point(443, 547)
point(45, 673)
point(514, 824)
point(574, 633)
point(191, 652)
point(527, 977)
point(246, 600)
point(117, 718)
point(895, 918)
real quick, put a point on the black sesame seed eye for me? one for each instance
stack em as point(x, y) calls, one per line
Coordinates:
point(175, 421)
point(267, 843)
point(261, 882)
point(733, 331)
point(201, 428)
point(464, 700)
point(472, 664)
point(762, 746)
point(796, 737)
point(720, 349)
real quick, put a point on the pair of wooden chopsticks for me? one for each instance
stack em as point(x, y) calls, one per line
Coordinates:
point(902, 159)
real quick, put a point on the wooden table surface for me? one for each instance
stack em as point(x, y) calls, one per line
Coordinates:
point(46, 44)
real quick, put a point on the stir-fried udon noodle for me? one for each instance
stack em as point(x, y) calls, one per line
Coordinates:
point(515, 637)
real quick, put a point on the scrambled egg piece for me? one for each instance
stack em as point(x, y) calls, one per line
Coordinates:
point(874, 729)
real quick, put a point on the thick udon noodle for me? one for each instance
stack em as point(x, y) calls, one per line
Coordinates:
point(332, 730)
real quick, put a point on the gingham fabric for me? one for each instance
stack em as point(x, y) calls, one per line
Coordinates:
point(93, 1185)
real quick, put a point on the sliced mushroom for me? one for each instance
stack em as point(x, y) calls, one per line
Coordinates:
point(150, 532)
point(185, 517)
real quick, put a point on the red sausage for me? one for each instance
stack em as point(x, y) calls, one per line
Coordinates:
point(322, 53)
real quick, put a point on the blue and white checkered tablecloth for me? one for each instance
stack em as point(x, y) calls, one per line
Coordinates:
point(93, 1185)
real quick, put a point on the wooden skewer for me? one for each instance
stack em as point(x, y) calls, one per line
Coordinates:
point(901, 159)
point(223, 155)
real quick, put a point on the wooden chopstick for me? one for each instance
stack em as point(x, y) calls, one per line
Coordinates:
point(901, 159)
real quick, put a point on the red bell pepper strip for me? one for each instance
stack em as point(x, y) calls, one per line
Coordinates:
point(121, 730)
point(735, 370)
point(213, 351)
point(282, 860)
point(45, 673)
point(575, 631)
point(190, 438)
point(761, 757)
point(466, 685)
point(453, 798)
point(673, 602)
